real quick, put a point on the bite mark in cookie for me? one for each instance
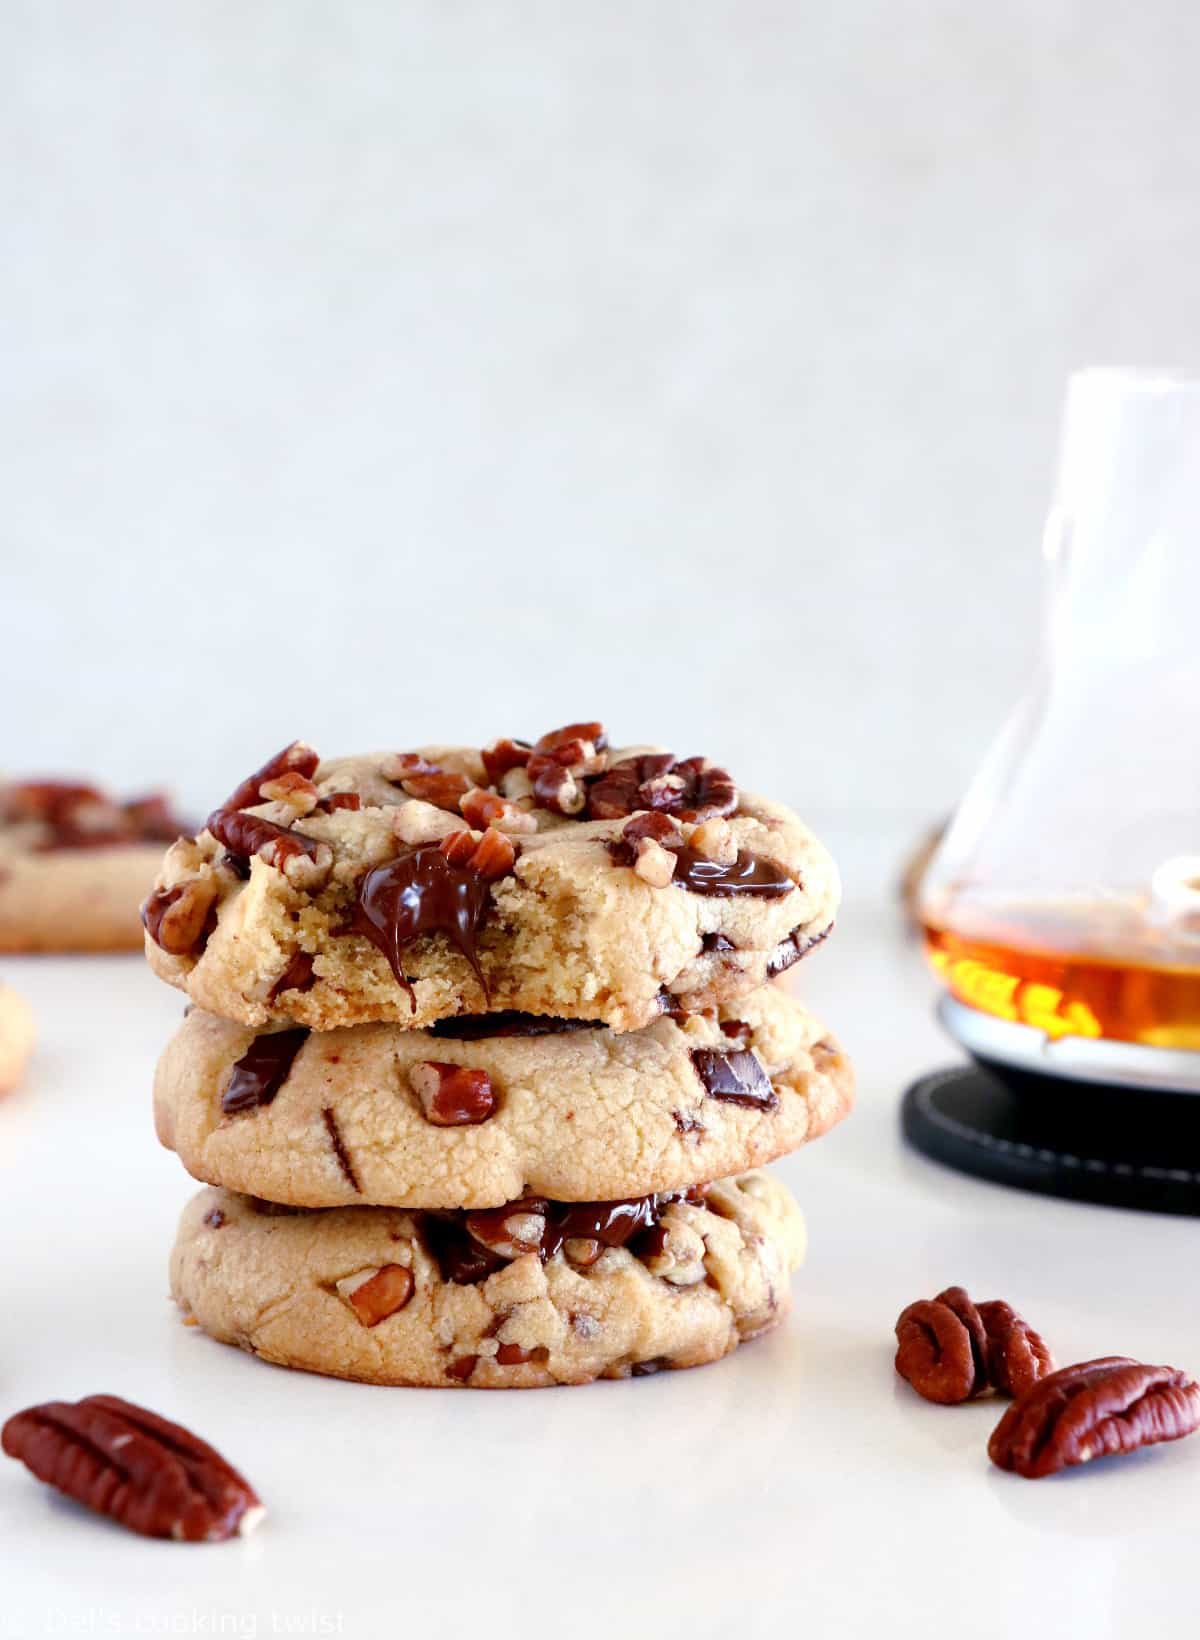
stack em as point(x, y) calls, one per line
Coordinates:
point(501, 886)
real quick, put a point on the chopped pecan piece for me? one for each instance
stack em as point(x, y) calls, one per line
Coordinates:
point(556, 787)
point(428, 782)
point(654, 864)
point(294, 790)
point(693, 789)
point(503, 755)
point(491, 856)
point(658, 828)
point(441, 788)
point(121, 1460)
point(452, 1095)
point(375, 1294)
point(1097, 1409)
point(481, 809)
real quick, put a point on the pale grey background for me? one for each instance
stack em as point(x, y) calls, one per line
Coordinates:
point(373, 371)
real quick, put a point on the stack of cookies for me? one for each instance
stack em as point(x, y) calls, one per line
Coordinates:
point(483, 1046)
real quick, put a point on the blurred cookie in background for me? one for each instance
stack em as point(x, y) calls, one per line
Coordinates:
point(16, 1038)
point(75, 865)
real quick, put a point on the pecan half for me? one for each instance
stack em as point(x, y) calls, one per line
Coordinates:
point(1017, 1355)
point(1096, 1409)
point(591, 734)
point(151, 1476)
point(942, 1348)
point(304, 861)
point(180, 919)
point(452, 1095)
point(482, 809)
point(297, 758)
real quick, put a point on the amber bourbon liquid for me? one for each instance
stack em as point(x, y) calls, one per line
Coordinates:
point(1090, 969)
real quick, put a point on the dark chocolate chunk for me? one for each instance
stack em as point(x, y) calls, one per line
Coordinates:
point(471, 1027)
point(738, 1078)
point(339, 1149)
point(261, 1071)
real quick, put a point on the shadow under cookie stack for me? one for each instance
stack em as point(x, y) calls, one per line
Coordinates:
point(482, 1055)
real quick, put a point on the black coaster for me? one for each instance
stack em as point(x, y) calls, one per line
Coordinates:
point(1091, 1142)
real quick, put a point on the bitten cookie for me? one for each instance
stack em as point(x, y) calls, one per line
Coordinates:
point(16, 1038)
point(523, 1297)
point(562, 879)
point(463, 1117)
point(75, 866)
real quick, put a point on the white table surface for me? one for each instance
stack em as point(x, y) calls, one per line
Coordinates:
point(797, 1487)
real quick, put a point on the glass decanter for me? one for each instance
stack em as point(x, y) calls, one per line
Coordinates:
point(1062, 910)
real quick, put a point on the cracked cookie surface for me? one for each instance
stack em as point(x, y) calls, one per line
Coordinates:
point(326, 905)
point(352, 1115)
point(16, 1037)
point(360, 1293)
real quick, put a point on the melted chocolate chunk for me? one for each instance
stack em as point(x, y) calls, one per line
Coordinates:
point(458, 1257)
point(339, 1149)
point(463, 1260)
point(421, 893)
point(612, 1224)
point(717, 942)
point(238, 864)
point(738, 1078)
point(751, 874)
point(214, 1218)
point(261, 1071)
point(471, 1027)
